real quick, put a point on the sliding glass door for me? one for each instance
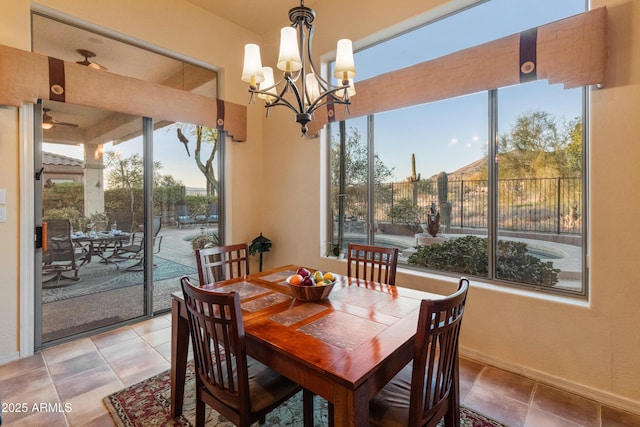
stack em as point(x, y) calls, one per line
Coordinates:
point(124, 202)
point(90, 192)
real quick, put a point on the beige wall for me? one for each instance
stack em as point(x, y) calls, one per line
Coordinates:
point(276, 187)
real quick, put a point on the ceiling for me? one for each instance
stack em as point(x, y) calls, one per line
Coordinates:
point(258, 16)
point(60, 40)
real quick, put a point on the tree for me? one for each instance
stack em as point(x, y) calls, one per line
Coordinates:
point(356, 161)
point(204, 136)
point(127, 174)
point(537, 146)
point(574, 149)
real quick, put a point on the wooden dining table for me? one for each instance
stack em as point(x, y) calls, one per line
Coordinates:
point(345, 348)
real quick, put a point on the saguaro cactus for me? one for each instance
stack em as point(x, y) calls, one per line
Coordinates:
point(413, 179)
point(443, 200)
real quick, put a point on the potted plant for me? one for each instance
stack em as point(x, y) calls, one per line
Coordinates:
point(258, 246)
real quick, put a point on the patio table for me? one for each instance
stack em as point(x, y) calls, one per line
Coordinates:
point(344, 348)
point(100, 244)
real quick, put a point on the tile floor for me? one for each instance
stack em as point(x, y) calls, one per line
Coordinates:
point(80, 373)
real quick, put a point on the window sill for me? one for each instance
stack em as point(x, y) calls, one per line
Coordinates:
point(574, 300)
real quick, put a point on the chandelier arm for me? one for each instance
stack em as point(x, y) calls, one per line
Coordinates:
point(290, 85)
point(279, 101)
point(323, 99)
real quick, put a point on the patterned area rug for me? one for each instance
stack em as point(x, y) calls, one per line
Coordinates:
point(148, 404)
point(97, 277)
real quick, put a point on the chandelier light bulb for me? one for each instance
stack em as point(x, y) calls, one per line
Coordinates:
point(313, 88)
point(289, 57)
point(351, 90)
point(345, 68)
point(268, 85)
point(252, 70)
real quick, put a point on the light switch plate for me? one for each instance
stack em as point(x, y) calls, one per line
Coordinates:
point(3, 196)
point(3, 214)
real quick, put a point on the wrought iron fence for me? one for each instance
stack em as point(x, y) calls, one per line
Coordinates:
point(550, 205)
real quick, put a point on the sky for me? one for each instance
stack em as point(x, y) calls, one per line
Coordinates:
point(450, 134)
point(445, 135)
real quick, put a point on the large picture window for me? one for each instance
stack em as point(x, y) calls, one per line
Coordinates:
point(489, 185)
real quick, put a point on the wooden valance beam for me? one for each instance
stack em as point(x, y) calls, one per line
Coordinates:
point(25, 78)
point(571, 51)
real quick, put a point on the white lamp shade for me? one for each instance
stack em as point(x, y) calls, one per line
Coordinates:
point(289, 57)
point(267, 84)
point(313, 88)
point(252, 69)
point(345, 66)
point(351, 90)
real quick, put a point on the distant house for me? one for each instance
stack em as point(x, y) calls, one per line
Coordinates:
point(60, 169)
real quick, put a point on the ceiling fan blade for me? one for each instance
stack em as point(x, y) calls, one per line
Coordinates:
point(88, 54)
point(47, 119)
point(57, 123)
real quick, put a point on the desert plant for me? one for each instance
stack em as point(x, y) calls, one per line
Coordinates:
point(205, 241)
point(414, 179)
point(468, 255)
point(443, 199)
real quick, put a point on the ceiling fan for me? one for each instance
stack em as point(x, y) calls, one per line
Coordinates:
point(48, 122)
point(88, 54)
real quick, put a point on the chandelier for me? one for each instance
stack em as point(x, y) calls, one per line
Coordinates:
point(301, 83)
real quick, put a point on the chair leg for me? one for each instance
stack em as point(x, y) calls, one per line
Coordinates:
point(307, 407)
point(331, 415)
point(200, 413)
point(452, 417)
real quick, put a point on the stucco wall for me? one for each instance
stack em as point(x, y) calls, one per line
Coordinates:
point(276, 186)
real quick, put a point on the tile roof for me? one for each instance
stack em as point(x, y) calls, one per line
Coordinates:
point(58, 159)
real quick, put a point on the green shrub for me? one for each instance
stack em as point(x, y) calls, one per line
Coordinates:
point(468, 255)
point(69, 213)
point(405, 212)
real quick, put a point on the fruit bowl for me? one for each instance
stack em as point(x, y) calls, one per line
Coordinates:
point(318, 290)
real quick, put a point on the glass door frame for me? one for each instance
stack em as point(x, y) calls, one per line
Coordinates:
point(147, 312)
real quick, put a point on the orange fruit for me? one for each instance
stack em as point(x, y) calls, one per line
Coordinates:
point(329, 276)
point(295, 279)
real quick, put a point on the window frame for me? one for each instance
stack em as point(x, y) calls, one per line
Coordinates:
point(492, 208)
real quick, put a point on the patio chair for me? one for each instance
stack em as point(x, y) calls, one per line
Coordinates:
point(222, 263)
point(373, 263)
point(183, 216)
point(213, 214)
point(239, 387)
point(61, 255)
point(134, 249)
point(433, 375)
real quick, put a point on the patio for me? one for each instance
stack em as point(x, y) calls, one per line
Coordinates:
point(105, 295)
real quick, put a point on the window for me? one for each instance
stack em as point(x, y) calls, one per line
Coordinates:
point(420, 179)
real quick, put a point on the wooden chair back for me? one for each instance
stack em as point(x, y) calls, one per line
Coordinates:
point(373, 263)
point(219, 350)
point(222, 263)
point(435, 378)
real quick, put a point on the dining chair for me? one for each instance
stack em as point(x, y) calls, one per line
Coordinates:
point(222, 262)
point(61, 255)
point(427, 389)
point(239, 387)
point(373, 263)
